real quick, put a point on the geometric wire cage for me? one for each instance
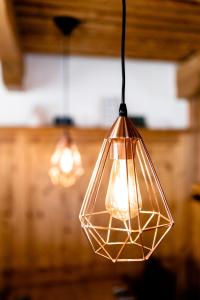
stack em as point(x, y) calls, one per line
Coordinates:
point(125, 214)
point(66, 164)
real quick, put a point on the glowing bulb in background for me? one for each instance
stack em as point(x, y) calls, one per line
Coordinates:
point(66, 161)
point(66, 164)
point(123, 197)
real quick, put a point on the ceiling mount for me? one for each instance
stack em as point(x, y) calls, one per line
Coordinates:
point(66, 24)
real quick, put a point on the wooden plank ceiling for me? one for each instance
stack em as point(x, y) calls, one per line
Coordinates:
point(157, 29)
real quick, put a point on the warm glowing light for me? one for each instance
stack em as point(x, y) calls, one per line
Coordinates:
point(66, 161)
point(123, 199)
point(66, 164)
point(125, 214)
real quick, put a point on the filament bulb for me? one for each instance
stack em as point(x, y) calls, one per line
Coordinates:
point(66, 164)
point(123, 199)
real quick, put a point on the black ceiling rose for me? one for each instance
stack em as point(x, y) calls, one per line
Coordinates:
point(66, 24)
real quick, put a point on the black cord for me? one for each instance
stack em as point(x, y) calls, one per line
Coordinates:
point(123, 109)
point(123, 45)
point(65, 73)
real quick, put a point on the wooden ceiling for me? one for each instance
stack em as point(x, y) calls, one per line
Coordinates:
point(156, 29)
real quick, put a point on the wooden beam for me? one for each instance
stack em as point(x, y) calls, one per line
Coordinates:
point(10, 51)
point(188, 78)
point(188, 87)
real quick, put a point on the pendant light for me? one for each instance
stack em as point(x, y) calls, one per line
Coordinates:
point(125, 214)
point(66, 164)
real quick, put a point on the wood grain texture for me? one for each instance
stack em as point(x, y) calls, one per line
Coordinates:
point(10, 50)
point(188, 78)
point(188, 86)
point(156, 29)
point(40, 235)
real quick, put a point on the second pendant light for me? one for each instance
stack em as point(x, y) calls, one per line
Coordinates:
point(66, 164)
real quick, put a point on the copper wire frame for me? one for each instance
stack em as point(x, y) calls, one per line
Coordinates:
point(135, 238)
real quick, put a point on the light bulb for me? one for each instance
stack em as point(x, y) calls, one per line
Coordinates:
point(66, 161)
point(66, 164)
point(123, 199)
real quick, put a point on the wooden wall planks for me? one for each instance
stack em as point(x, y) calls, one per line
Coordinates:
point(39, 227)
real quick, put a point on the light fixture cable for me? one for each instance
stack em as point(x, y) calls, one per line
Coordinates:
point(123, 108)
point(66, 73)
point(66, 26)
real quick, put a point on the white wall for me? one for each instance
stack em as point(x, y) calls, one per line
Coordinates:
point(151, 91)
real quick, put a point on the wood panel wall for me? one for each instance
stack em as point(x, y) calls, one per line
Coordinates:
point(40, 235)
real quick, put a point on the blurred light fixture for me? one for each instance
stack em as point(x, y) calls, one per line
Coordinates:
point(66, 165)
point(125, 214)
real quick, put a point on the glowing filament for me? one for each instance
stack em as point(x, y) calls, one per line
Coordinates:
point(123, 199)
point(66, 165)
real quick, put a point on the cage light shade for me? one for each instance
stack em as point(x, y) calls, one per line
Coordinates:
point(125, 214)
point(66, 164)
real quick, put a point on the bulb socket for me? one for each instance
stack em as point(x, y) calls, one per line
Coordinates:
point(123, 110)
